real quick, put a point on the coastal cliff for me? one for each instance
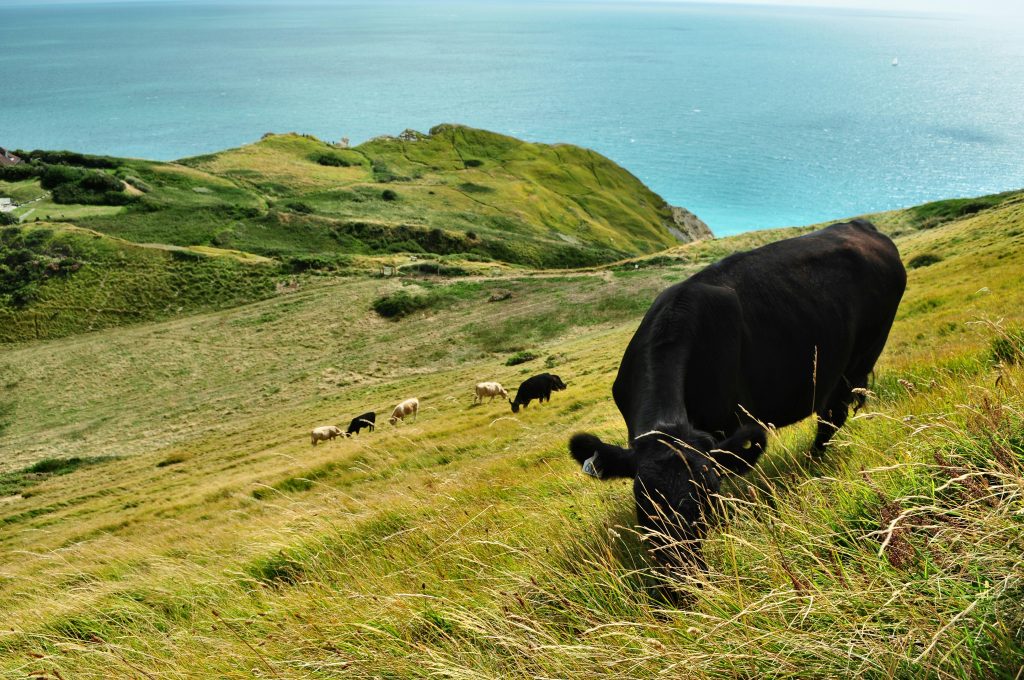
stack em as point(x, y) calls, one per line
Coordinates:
point(687, 227)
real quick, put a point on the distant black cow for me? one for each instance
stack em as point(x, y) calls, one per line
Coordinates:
point(772, 335)
point(538, 387)
point(368, 419)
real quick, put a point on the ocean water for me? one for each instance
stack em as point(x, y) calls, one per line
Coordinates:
point(752, 117)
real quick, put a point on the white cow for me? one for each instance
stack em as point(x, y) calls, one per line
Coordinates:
point(407, 407)
point(324, 432)
point(489, 389)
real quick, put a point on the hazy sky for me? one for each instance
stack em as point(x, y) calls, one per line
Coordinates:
point(958, 6)
point(1014, 8)
point(954, 6)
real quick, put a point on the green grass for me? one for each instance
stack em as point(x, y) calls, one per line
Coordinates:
point(467, 544)
point(83, 281)
point(21, 481)
point(1007, 345)
point(534, 204)
point(931, 215)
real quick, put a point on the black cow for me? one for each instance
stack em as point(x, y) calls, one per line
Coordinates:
point(368, 419)
point(537, 387)
point(771, 335)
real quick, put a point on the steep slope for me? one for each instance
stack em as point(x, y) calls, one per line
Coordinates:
point(199, 534)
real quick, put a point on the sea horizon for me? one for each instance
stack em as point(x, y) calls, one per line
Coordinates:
point(749, 116)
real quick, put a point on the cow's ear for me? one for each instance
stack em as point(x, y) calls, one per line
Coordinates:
point(601, 460)
point(740, 452)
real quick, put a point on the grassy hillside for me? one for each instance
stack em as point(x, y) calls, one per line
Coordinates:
point(454, 190)
point(190, 530)
point(57, 280)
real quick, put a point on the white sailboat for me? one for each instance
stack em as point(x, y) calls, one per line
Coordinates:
point(895, 61)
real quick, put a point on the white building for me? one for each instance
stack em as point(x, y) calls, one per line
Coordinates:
point(6, 205)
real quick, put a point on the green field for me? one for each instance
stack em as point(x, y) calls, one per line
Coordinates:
point(189, 529)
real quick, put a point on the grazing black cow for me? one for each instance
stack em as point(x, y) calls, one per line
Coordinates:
point(368, 419)
point(537, 387)
point(771, 335)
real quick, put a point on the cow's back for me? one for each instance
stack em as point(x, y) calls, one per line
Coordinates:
point(533, 387)
point(813, 306)
point(771, 329)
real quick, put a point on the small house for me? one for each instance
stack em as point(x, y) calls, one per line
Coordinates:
point(8, 158)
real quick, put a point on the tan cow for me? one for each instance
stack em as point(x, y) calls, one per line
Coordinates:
point(407, 407)
point(489, 389)
point(324, 432)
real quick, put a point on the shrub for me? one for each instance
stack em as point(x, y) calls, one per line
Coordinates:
point(332, 160)
point(223, 239)
point(436, 269)
point(924, 260)
point(381, 172)
point(55, 175)
point(389, 195)
point(185, 255)
point(471, 188)
point(74, 194)
point(49, 465)
point(173, 459)
point(473, 163)
point(297, 264)
point(299, 207)
point(22, 171)
point(80, 160)
point(400, 303)
point(406, 246)
point(68, 184)
point(521, 358)
point(7, 219)
point(100, 182)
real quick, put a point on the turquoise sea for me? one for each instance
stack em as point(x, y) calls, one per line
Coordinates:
point(750, 116)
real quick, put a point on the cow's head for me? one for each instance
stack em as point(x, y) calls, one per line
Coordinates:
point(676, 475)
point(515, 405)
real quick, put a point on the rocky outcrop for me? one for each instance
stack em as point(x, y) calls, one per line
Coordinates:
point(687, 227)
